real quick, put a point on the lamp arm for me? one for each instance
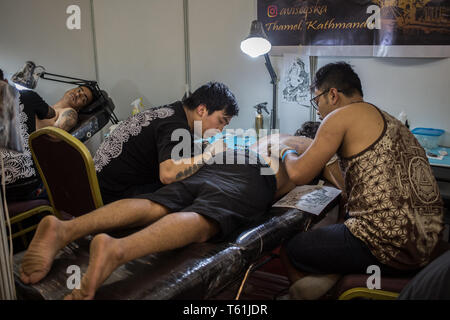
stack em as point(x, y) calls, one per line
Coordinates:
point(75, 81)
point(273, 76)
point(269, 67)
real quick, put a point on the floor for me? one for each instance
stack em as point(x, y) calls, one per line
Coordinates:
point(270, 281)
point(260, 285)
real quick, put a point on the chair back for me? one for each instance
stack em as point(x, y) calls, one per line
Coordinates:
point(20, 213)
point(67, 170)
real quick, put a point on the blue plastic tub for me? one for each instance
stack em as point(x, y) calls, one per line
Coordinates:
point(428, 138)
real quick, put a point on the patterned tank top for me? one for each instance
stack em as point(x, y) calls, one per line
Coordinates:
point(394, 205)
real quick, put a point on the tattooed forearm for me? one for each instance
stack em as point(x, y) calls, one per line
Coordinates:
point(188, 171)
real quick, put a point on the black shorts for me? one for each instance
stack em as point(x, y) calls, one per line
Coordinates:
point(233, 195)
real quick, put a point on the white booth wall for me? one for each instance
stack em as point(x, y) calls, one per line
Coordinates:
point(36, 31)
point(139, 52)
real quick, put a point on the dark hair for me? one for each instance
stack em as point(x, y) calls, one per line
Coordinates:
point(216, 96)
point(95, 92)
point(1, 75)
point(308, 129)
point(339, 75)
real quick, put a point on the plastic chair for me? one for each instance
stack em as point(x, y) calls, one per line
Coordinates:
point(67, 170)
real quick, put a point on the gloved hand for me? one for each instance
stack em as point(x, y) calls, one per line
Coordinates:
point(216, 147)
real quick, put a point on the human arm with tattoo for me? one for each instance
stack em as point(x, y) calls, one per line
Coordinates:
point(67, 119)
point(175, 170)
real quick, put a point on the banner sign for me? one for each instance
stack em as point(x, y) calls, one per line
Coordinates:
point(398, 28)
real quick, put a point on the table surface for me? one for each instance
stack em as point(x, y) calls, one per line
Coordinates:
point(445, 162)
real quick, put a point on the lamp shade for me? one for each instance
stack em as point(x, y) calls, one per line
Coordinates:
point(256, 43)
point(27, 76)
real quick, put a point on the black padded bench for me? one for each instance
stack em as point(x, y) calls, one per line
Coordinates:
point(198, 271)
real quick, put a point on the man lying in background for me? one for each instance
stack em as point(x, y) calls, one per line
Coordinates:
point(21, 178)
point(209, 205)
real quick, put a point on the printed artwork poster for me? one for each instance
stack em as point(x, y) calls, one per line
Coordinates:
point(296, 80)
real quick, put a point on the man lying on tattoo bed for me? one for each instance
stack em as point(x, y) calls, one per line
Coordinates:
point(206, 206)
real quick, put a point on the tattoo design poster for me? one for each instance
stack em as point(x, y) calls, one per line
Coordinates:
point(295, 80)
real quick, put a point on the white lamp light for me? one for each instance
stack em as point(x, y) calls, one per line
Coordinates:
point(256, 43)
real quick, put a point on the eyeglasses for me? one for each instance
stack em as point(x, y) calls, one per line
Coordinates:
point(314, 101)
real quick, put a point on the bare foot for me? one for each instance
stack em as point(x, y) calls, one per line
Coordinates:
point(46, 243)
point(105, 257)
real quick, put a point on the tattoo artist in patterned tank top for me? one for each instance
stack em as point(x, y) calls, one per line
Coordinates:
point(394, 211)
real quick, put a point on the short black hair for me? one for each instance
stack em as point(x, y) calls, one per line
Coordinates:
point(1, 75)
point(339, 75)
point(308, 129)
point(94, 90)
point(216, 96)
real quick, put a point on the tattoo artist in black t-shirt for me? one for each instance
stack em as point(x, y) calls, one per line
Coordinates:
point(21, 177)
point(136, 157)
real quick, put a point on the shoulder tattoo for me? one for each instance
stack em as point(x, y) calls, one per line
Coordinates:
point(68, 119)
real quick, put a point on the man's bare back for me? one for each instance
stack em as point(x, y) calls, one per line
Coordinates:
point(299, 143)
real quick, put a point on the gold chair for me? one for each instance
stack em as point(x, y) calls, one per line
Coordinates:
point(20, 211)
point(67, 170)
point(354, 286)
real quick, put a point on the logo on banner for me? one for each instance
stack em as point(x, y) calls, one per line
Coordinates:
point(272, 11)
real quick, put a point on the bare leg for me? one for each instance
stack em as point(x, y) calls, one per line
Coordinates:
point(53, 234)
point(170, 232)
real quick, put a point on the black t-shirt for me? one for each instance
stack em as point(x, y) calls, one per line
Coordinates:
point(33, 105)
point(128, 160)
point(21, 176)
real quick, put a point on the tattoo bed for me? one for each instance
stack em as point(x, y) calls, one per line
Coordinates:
point(197, 271)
